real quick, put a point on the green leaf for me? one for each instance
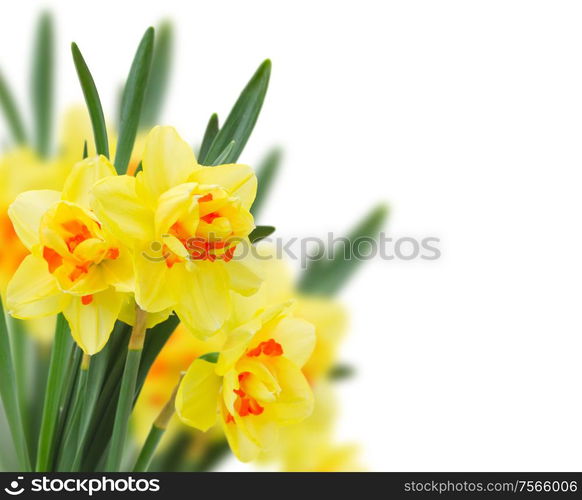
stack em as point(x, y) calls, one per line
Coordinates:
point(71, 432)
point(8, 393)
point(55, 387)
point(261, 232)
point(85, 150)
point(241, 120)
point(42, 82)
point(266, 174)
point(222, 158)
point(341, 372)
point(150, 446)
point(103, 415)
point(158, 80)
point(211, 357)
point(209, 135)
point(11, 112)
point(123, 410)
point(327, 276)
point(93, 102)
point(132, 100)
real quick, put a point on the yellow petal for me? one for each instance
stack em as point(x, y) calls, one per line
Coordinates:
point(295, 401)
point(155, 283)
point(82, 178)
point(297, 337)
point(26, 212)
point(235, 345)
point(203, 300)
point(245, 449)
point(119, 272)
point(33, 291)
point(245, 270)
point(174, 204)
point(91, 324)
point(127, 314)
point(197, 398)
point(167, 161)
point(119, 208)
point(238, 180)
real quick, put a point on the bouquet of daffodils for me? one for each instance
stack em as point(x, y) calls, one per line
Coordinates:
point(144, 325)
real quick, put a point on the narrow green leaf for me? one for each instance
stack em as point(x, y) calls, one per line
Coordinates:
point(8, 393)
point(209, 135)
point(96, 376)
point(266, 174)
point(72, 429)
point(132, 100)
point(55, 387)
point(327, 276)
point(93, 102)
point(11, 113)
point(159, 76)
point(261, 232)
point(341, 372)
point(42, 83)
point(149, 448)
point(22, 352)
point(243, 117)
point(211, 357)
point(123, 411)
point(222, 158)
point(85, 150)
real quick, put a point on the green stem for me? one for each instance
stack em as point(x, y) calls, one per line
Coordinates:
point(53, 393)
point(69, 447)
point(126, 394)
point(149, 448)
point(20, 344)
point(157, 431)
point(9, 396)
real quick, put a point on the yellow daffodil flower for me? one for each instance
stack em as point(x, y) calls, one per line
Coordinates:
point(257, 384)
point(187, 225)
point(75, 265)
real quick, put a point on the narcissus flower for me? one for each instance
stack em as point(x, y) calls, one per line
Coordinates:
point(75, 265)
point(257, 384)
point(186, 225)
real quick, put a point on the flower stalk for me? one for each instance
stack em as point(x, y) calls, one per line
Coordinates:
point(54, 390)
point(9, 396)
point(127, 392)
point(156, 432)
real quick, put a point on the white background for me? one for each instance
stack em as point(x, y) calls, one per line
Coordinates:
point(466, 117)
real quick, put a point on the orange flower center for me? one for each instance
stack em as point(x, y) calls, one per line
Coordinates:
point(268, 348)
point(199, 247)
point(246, 405)
point(75, 233)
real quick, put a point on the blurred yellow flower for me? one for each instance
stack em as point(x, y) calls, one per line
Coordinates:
point(309, 446)
point(184, 223)
point(75, 265)
point(21, 169)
